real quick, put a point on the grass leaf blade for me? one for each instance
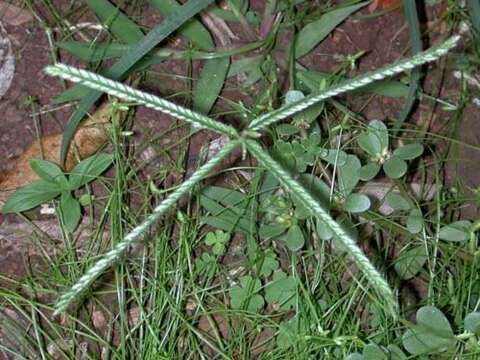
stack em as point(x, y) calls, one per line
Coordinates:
point(120, 69)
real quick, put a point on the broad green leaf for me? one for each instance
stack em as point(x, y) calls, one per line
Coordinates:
point(369, 171)
point(272, 231)
point(282, 291)
point(397, 201)
point(295, 239)
point(89, 169)
point(348, 175)
point(120, 25)
point(395, 167)
point(356, 203)
point(378, 131)
point(332, 156)
point(192, 29)
point(70, 210)
point(431, 334)
point(410, 262)
point(312, 34)
point(49, 171)
point(396, 353)
point(457, 231)
point(370, 144)
point(373, 352)
point(210, 84)
point(472, 323)
point(409, 152)
point(245, 295)
point(414, 221)
point(290, 331)
point(121, 68)
point(324, 231)
point(30, 196)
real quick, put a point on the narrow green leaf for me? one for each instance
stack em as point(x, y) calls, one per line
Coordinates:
point(89, 169)
point(410, 10)
point(210, 84)
point(192, 29)
point(395, 167)
point(409, 152)
point(30, 196)
point(49, 171)
point(70, 210)
point(92, 52)
point(128, 60)
point(120, 25)
point(356, 203)
point(457, 231)
point(312, 34)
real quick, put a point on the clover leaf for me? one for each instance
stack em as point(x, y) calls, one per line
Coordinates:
point(245, 295)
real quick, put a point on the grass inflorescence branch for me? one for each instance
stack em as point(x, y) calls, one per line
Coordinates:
point(122, 91)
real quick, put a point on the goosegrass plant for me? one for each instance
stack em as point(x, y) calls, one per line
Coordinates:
point(246, 140)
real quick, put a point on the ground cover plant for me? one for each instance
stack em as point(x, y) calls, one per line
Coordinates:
point(287, 253)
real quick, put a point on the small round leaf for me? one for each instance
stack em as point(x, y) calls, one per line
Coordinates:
point(373, 352)
point(369, 171)
point(396, 201)
point(409, 152)
point(431, 334)
point(395, 167)
point(410, 262)
point(415, 221)
point(356, 203)
point(472, 323)
point(295, 239)
point(457, 231)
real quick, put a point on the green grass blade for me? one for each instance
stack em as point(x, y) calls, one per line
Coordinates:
point(474, 12)
point(121, 68)
point(210, 84)
point(193, 30)
point(410, 9)
point(316, 31)
point(316, 209)
point(113, 255)
point(97, 82)
point(348, 85)
point(115, 21)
